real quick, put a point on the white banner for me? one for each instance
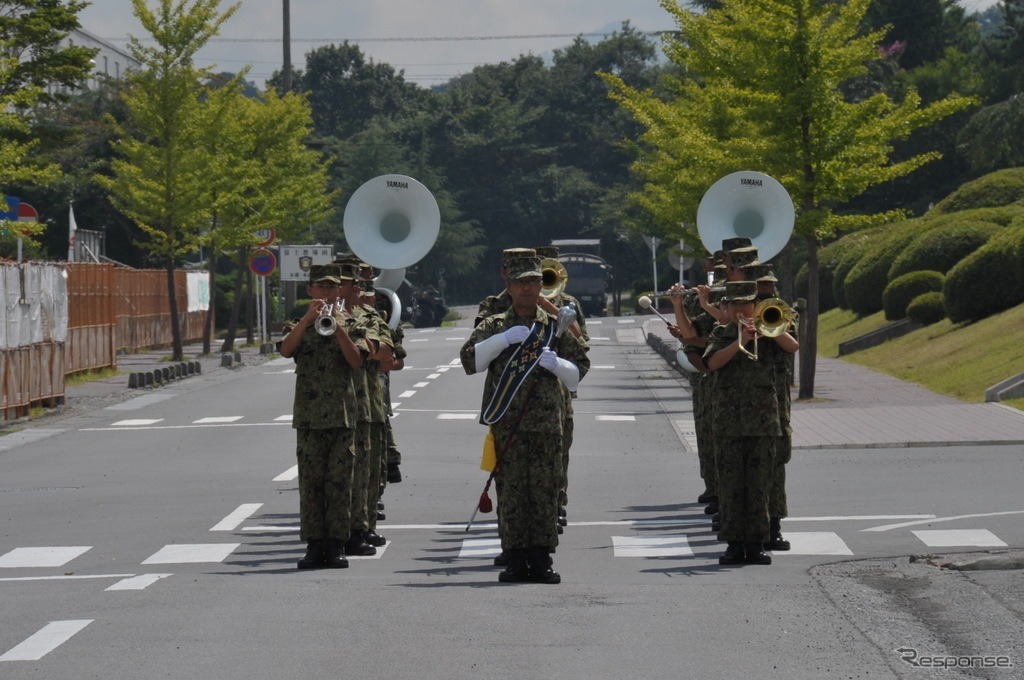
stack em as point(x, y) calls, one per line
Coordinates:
point(198, 291)
point(295, 261)
point(35, 304)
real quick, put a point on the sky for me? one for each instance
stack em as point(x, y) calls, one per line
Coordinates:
point(432, 41)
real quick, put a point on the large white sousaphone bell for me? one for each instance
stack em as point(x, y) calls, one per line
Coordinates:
point(391, 222)
point(749, 204)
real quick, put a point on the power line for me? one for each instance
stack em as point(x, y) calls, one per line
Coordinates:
point(464, 38)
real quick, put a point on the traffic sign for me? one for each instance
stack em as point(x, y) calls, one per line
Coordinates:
point(26, 213)
point(265, 236)
point(262, 262)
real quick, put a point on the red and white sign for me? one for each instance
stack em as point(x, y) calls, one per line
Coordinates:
point(265, 236)
point(27, 213)
point(262, 262)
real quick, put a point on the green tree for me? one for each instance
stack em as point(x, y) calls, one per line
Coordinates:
point(31, 32)
point(276, 181)
point(160, 177)
point(761, 89)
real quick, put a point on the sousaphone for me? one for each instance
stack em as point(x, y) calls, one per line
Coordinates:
point(391, 222)
point(749, 204)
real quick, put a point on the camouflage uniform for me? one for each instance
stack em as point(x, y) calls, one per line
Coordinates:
point(378, 410)
point(746, 421)
point(528, 439)
point(324, 418)
point(393, 457)
point(361, 473)
point(703, 323)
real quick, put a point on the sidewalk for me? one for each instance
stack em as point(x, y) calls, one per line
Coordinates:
point(855, 407)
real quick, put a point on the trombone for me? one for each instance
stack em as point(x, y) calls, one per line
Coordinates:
point(772, 318)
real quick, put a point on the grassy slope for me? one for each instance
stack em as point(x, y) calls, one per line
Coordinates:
point(961, 361)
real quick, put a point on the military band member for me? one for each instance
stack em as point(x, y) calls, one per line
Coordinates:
point(783, 365)
point(748, 424)
point(526, 415)
point(324, 419)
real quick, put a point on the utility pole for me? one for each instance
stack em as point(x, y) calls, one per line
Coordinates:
point(286, 70)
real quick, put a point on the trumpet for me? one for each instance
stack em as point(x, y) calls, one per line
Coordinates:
point(772, 318)
point(327, 322)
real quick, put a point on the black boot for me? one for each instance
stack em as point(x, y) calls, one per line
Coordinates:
point(314, 557)
point(733, 554)
point(334, 554)
point(707, 497)
point(357, 546)
point(380, 511)
point(775, 539)
point(563, 516)
point(540, 566)
point(712, 508)
point(374, 539)
point(757, 555)
point(394, 474)
point(518, 569)
point(716, 522)
point(501, 559)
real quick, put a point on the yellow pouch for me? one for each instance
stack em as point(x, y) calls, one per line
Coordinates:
point(490, 457)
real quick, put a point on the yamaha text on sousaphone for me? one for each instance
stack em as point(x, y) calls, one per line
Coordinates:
point(391, 222)
point(749, 204)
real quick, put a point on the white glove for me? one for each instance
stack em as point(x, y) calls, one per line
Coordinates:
point(548, 359)
point(515, 335)
point(488, 350)
point(566, 371)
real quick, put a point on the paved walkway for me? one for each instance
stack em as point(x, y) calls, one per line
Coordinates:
point(855, 407)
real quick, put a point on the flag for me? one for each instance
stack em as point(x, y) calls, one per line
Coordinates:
point(72, 228)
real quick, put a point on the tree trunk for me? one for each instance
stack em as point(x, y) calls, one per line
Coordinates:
point(785, 272)
point(208, 323)
point(229, 336)
point(809, 322)
point(178, 353)
point(250, 308)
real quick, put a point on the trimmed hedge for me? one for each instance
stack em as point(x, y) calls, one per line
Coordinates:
point(1001, 215)
point(851, 246)
point(989, 280)
point(900, 291)
point(941, 247)
point(867, 279)
point(998, 188)
point(828, 257)
point(927, 309)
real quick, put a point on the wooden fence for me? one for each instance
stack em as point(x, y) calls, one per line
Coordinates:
point(110, 310)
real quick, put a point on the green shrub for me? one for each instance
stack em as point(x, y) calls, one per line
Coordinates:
point(867, 279)
point(988, 280)
point(927, 308)
point(1001, 215)
point(901, 290)
point(998, 188)
point(828, 257)
point(851, 247)
point(941, 247)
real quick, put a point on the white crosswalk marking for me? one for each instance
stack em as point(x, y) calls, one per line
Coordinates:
point(139, 582)
point(136, 422)
point(288, 475)
point(50, 556)
point(283, 419)
point(651, 546)
point(189, 553)
point(951, 538)
point(241, 513)
point(480, 548)
point(816, 543)
point(457, 416)
point(614, 419)
point(49, 637)
point(209, 420)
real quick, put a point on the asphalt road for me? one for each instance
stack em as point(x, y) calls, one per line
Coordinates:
point(157, 538)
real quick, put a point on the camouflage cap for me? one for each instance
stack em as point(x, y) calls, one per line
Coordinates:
point(348, 272)
point(512, 253)
point(736, 242)
point(741, 257)
point(522, 266)
point(547, 251)
point(740, 291)
point(715, 295)
point(717, 257)
point(347, 258)
point(718, 273)
point(324, 272)
point(759, 272)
